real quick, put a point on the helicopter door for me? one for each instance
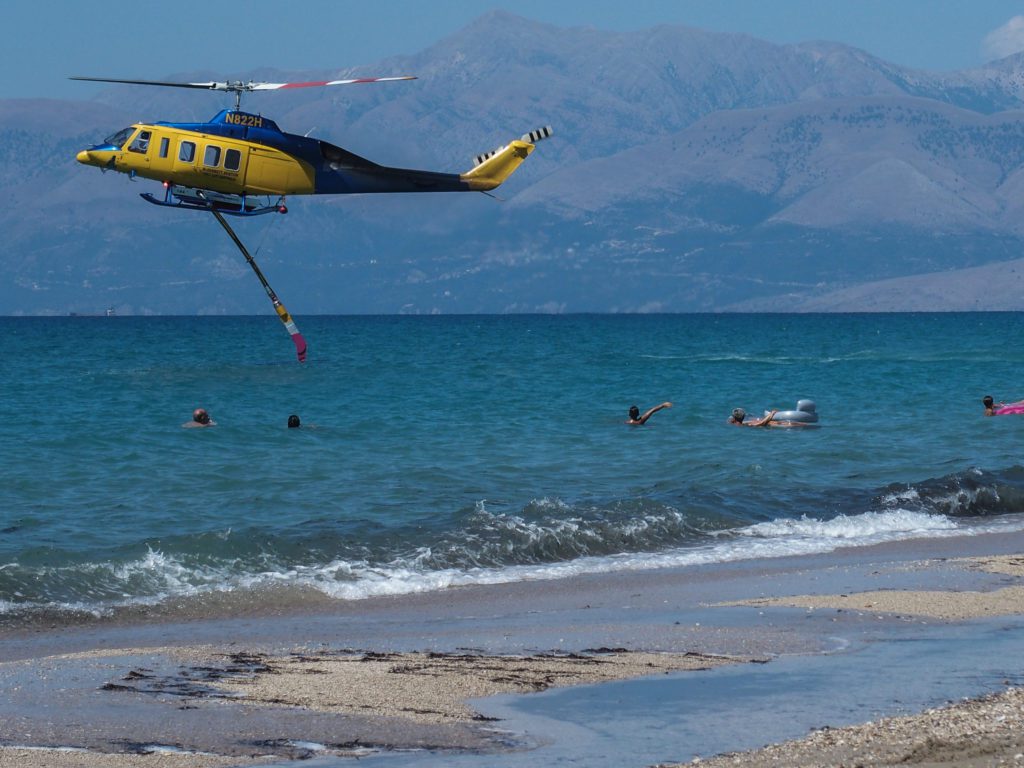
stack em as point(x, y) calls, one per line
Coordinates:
point(184, 162)
point(139, 149)
point(235, 161)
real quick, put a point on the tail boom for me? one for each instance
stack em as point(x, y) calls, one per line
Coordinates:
point(493, 171)
point(492, 168)
point(341, 172)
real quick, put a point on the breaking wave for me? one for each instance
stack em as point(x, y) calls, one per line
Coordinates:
point(548, 538)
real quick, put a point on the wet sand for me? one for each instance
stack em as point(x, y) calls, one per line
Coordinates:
point(946, 605)
point(401, 672)
point(435, 687)
point(980, 733)
point(207, 706)
point(15, 757)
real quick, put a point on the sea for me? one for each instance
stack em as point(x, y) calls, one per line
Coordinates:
point(438, 451)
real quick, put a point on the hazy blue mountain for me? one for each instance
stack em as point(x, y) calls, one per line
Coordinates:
point(690, 171)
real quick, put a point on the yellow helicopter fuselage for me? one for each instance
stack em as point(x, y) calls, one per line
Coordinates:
point(240, 155)
point(205, 161)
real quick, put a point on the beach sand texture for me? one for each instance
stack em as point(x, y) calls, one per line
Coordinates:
point(942, 604)
point(980, 733)
point(435, 687)
point(215, 704)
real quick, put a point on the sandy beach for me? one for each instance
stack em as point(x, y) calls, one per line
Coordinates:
point(938, 604)
point(358, 678)
point(982, 732)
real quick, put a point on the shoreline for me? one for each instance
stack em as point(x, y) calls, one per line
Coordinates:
point(983, 731)
point(280, 674)
point(266, 605)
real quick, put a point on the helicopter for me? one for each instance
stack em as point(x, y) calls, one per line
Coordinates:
point(225, 166)
point(229, 163)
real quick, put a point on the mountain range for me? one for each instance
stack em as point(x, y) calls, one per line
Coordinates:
point(689, 171)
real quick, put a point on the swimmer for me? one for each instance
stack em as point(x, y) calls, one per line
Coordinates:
point(200, 418)
point(293, 422)
point(738, 416)
point(634, 413)
point(1001, 409)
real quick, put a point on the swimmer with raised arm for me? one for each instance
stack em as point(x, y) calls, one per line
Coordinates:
point(634, 413)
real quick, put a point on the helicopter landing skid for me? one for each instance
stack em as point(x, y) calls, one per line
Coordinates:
point(176, 196)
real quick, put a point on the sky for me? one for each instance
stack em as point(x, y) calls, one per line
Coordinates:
point(42, 42)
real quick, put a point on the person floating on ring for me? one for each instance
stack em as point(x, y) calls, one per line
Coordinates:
point(738, 416)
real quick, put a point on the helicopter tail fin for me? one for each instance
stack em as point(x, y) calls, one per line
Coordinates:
point(492, 168)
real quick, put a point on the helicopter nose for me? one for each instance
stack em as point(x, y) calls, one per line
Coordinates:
point(84, 157)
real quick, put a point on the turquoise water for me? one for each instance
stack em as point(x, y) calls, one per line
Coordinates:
point(449, 450)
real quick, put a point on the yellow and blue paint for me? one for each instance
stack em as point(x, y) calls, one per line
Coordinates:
point(241, 154)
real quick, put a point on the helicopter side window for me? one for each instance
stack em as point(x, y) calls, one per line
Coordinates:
point(118, 139)
point(141, 143)
point(232, 160)
point(187, 151)
point(211, 158)
point(165, 144)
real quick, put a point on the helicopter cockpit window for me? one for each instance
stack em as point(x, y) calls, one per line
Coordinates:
point(118, 139)
point(141, 142)
point(187, 151)
point(211, 157)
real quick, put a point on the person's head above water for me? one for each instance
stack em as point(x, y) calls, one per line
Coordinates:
point(634, 412)
point(738, 415)
point(987, 401)
point(200, 416)
point(293, 421)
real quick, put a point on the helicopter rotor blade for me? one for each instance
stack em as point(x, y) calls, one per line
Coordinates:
point(316, 83)
point(238, 86)
point(207, 86)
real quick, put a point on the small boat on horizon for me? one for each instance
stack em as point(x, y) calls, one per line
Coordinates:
point(110, 312)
